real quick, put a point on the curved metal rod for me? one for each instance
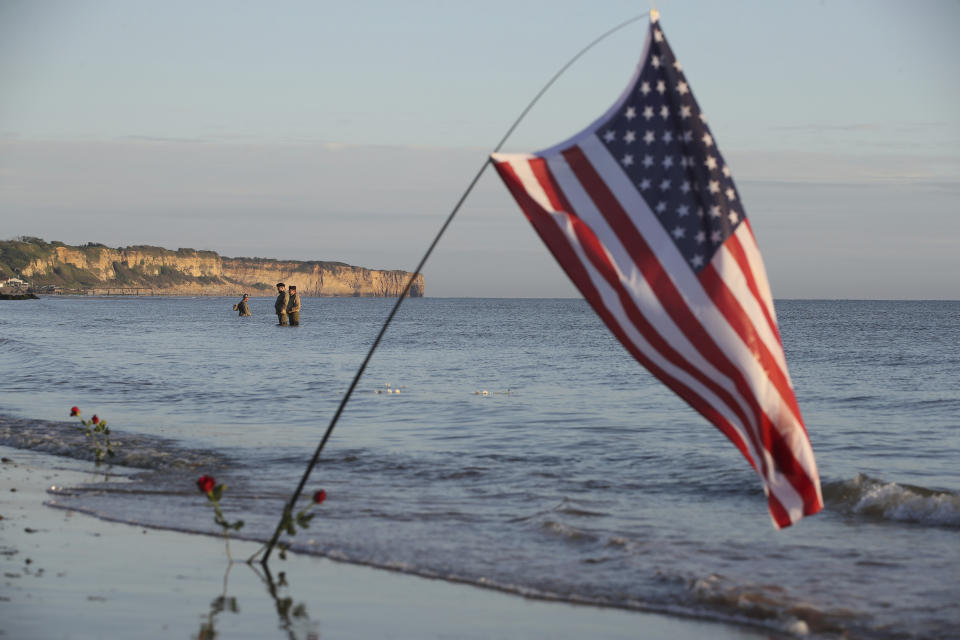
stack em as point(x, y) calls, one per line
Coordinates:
point(288, 508)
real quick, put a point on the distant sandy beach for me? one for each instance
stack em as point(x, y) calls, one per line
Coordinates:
point(70, 575)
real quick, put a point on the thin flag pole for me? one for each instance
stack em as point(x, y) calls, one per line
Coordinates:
point(288, 508)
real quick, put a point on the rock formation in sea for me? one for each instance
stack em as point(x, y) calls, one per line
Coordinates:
point(95, 268)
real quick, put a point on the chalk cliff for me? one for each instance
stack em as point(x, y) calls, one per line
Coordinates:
point(96, 267)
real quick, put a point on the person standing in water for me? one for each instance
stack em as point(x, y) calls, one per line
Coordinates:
point(281, 304)
point(293, 307)
point(243, 306)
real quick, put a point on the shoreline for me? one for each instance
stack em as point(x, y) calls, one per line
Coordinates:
point(73, 575)
point(265, 295)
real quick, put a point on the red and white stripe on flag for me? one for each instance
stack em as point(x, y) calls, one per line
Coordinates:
point(688, 300)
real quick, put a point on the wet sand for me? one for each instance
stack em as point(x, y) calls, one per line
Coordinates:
point(71, 575)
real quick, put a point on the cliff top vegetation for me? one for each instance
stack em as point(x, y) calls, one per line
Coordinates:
point(16, 254)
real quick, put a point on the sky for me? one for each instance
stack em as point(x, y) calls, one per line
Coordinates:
point(348, 131)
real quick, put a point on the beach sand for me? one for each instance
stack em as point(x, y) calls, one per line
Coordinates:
point(70, 575)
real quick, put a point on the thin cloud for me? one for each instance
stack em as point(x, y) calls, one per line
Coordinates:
point(823, 168)
point(827, 127)
point(163, 139)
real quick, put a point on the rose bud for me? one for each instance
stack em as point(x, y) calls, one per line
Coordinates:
point(95, 419)
point(319, 496)
point(74, 411)
point(206, 483)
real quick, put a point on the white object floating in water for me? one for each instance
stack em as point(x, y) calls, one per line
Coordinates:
point(390, 390)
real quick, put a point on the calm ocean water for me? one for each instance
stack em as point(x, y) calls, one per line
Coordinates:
point(576, 476)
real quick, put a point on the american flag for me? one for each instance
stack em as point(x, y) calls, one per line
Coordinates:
point(641, 212)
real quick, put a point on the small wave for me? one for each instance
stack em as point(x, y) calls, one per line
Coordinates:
point(132, 450)
point(567, 532)
point(598, 560)
point(873, 498)
point(437, 474)
point(770, 604)
point(573, 511)
point(857, 399)
point(618, 541)
point(10, 345)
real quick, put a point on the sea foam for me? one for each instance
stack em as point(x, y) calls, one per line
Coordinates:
point(874, 498)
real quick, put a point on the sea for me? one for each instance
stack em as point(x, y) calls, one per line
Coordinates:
point(513, 444)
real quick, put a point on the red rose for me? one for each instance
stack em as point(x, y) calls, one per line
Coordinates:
point(206, 483)
point(95, 419)
point(319, 496)
point(74, 411)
